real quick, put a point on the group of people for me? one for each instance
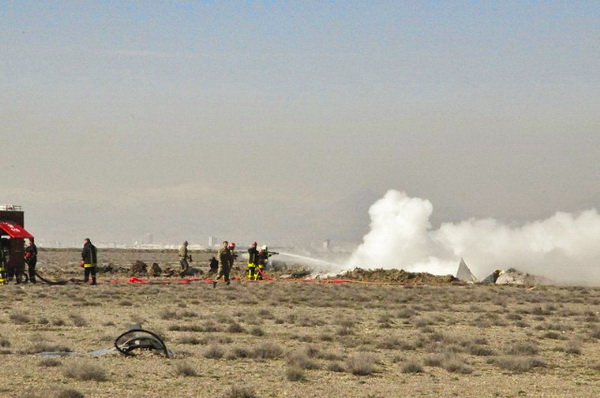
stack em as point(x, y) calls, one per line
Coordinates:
point(223, 262)
point(221, 265)
point(16, 270)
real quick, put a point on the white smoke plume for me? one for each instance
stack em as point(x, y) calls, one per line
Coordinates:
point(563, 248)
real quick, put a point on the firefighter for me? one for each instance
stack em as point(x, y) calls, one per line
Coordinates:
point(31, 252)
point(89, 261)
point(233, 255)
point(261, 262)
point(252, 259)
point(224, 256)
point(184, 257)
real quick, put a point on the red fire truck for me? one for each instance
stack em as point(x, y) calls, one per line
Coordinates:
point(12, 244)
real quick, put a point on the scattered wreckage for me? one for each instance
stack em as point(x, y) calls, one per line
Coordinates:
point(134, 341)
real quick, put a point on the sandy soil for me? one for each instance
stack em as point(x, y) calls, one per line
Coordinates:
point(298, 339)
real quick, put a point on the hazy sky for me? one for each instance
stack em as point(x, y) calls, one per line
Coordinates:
point(284, 120)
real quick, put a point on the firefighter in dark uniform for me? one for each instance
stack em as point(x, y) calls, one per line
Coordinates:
point(252, 260)
point(31, 253)
point(89, 261)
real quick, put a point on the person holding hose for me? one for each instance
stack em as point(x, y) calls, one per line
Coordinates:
point(252, 259)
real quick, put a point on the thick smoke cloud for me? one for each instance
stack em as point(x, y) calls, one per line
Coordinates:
point(563, 248)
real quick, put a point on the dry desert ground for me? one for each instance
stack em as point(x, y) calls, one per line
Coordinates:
point(296, 339)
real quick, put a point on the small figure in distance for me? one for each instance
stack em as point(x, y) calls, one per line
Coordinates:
point(224, 257)
point(213, 263)
point(184, 257)
point(261, 262)
point(31, 253)
point(252, 261)
point(89, 260)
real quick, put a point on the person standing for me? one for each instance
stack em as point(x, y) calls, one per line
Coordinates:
point(89, 261)
point(224, 256)
point(261, 260)
point(184, 257)
point(31, 253)
point(252, 258)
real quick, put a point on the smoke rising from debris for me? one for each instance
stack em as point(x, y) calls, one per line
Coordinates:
point(563, 248)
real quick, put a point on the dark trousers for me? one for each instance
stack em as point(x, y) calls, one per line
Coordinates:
point(31, 270)
point(87, 271)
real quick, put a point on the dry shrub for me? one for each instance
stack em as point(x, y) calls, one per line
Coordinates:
point(389, 343)
point(19, 318)
point(47, 347)
point(595, 333)
point(480, 351)
point(189, 340)
point(336, 367)
point(185, 369)
point(78, 320)
point(329, 356)
point(49, 362)
point(168, 315)
point(240, 392)
point(301, 359)
point(449, 361)
point(455, 364)
point(213, 352)
point(345, 331)
point(267, 350)
point(265, 313)
point(223, 339)
point(69, 393)
point(361, 364)
point(325, 337)
point(85, 371)
point(257, 331)
point(412, 366)
point(517, 364)
point(571, 347)
point(235, 328)
point(553, 336)
point(238, 352)
point(294, 373)
point(210, 327)
point(523, 348)
point(4, 342)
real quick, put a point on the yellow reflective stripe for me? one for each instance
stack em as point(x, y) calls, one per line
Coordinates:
point(88, 265)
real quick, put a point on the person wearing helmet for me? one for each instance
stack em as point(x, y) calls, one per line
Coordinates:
point(261, 262)
point(233, 255)
point(252, 261)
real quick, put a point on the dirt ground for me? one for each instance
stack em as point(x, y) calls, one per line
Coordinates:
point(296, 339)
